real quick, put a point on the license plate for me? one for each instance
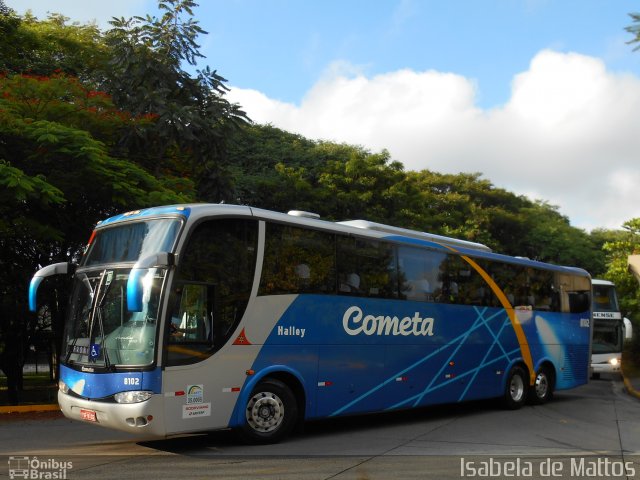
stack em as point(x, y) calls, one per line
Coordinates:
point(88, 415)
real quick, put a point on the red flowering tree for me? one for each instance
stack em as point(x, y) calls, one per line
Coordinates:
point(62, 168)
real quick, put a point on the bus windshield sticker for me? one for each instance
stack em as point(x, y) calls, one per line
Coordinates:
point(94, 352)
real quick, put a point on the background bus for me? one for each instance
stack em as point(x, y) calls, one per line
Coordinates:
point(200, 317)
point(608, 329)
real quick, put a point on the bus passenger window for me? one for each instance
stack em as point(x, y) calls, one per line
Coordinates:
point(419, 273)
point(297, 260)
point(366, 268)
point(579, 302)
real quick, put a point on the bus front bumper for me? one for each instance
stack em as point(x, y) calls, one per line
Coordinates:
point(606, 367)
point(143, 418)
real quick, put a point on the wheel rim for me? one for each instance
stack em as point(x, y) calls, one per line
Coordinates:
point(516, 388)
point(265, 412)
point(542, 385)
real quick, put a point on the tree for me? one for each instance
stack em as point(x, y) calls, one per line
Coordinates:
point(617, 250)
point(282, 171)
point(634, 29)
point(140, 63)
point(93, 123)
point(29, 45)
point(147, 76)
point(56, 181)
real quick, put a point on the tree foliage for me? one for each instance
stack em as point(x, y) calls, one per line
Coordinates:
point(60, 173)
point(42, 47)
point(282, 171)
point(634, 29)
point(618, 248)
point(147, 76)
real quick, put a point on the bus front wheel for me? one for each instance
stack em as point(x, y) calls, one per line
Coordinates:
point(515, 394)
point(270, 413)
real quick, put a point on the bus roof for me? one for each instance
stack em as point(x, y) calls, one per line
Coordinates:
point(361, 228)
point(405, 232)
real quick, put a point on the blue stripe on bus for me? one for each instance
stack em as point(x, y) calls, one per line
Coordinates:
point(102, 385)
point(149, 212)
point(467, 357)
point(488, 255)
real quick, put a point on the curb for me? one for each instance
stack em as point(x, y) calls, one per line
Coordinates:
point(632, 391)
point(29, 408)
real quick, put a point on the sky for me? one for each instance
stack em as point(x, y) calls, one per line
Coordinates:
point(540, 96)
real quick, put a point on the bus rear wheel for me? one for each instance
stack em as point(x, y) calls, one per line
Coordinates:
point(515, 394)
point(270, 413)
point(542, 389)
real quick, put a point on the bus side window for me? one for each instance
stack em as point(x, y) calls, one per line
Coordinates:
point(297, 260)
point(579, 302)
point(212, 286)
point(191, 318)
point(419, 273)
point(366, 268)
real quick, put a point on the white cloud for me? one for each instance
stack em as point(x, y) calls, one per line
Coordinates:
point(568, 132)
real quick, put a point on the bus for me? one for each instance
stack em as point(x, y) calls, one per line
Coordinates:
point(608, 329)
point(199, 317)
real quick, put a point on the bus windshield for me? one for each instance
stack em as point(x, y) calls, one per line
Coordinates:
point(607, 320)
point(607, 336)
point(100, 331)
point(604, 298)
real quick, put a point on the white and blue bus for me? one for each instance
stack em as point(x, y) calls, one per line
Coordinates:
point(200, 317)
point(608, 329)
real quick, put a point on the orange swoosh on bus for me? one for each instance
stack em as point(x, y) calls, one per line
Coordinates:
point(504, 301)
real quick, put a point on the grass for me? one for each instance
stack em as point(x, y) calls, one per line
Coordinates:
point(630, 369)
point(38, 389)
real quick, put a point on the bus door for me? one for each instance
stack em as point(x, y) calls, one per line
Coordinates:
point(189, 343)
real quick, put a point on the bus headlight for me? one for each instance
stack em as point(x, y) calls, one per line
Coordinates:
point(614, 362)
point(134, 396)
point(64, 388)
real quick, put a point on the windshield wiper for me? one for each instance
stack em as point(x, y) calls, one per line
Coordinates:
point(75, 338)
point(105, 354)
point(96, 314)
point(79, 313)
point(99, 310)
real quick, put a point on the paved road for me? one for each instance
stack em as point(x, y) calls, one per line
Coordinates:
point(589, 432)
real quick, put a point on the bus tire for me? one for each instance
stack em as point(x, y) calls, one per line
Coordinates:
point(516, 388)
point(270, 413)
point(542, 389)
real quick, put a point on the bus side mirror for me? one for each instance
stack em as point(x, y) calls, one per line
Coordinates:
point(135, 287)
point(61, 268)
